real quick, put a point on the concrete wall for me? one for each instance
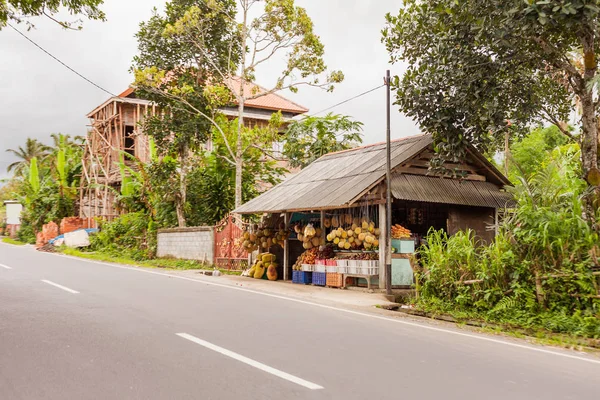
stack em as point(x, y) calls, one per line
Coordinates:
point(194, 243)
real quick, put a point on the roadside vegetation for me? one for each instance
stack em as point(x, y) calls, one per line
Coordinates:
point(541, 271)
point(12, 241)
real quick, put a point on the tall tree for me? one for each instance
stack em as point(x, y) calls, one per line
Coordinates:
point(172, 74)
point(478, 68)
point(33, 149)
point(278, 29)
point(22, 10)
point(312, 137)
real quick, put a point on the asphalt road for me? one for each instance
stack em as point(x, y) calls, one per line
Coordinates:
point(73, 329)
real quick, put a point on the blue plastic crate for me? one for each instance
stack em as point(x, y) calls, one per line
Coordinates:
point(319, 278)
point(301, 277)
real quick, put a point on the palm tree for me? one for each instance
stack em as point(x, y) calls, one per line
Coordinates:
point(33, 148)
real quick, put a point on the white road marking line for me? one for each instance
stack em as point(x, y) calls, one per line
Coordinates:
point(379, 317)
point(5, 266)
point(251, 362)
point(60, 286)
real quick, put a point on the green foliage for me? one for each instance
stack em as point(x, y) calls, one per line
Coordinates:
point(33, 149)
point(537, 273)
point(130, 235)
point(21, 10)
point(310, 138)
point(480, 68)
point(26, 233)
point(531, 152)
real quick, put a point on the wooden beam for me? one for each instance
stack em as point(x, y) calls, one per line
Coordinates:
point(424, 172)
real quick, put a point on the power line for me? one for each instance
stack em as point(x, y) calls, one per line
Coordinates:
point(114, 95)
point(65, 65)
point(345, 101)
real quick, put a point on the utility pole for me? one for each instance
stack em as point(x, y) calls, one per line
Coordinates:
point(388, 204)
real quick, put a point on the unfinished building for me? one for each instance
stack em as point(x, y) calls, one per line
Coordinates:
point(116, 127)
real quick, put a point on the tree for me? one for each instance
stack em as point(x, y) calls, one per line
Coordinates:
point(21, 10)
point(312, 137)
point(33, 149)
point(171, 73)
point(280, 28)
point(529, 154)
point(480, 68)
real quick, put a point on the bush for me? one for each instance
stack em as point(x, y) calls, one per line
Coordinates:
point(537, 273)
point(132, 235)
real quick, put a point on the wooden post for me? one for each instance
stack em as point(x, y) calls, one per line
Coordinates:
point(383, 242)
point(286, 249)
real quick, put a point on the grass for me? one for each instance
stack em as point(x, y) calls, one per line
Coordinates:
point(164, 263)
point(535, 335)
point(12, 241)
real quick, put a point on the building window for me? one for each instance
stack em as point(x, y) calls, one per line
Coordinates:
point(129, 141)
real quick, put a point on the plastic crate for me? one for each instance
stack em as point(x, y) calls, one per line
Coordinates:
point(342, 266)
point(353, 267)
point(308, 268)
point(302, 277)
point(319, 278)
point(320, 268)
point(334, 279)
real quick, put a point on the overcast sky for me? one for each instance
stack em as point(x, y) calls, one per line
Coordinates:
point(40, 96)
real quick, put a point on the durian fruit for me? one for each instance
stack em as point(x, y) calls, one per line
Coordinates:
point(327, 222)
point(310, 230)
point(316, 241)
point(355, 222)
point(307, 245)
point(318, 232)
point(377, 232)
point(252, 271)
point(298, 228)
point(301, 237)
point(335, 221)
point(348, 219)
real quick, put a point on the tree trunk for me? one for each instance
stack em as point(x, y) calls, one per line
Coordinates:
point(181, 197)
point(239, 161)
point(589, 140)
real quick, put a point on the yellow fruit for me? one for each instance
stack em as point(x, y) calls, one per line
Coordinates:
point(350, 233)
point(252, 271)
point(351, 239)
point(347, 246)
point(367, 245)
point(361, 236)
point(365, 224)
point(341, 244)
point(377, 231)
point(316, 241)
point(344, 234)
point(356, 221)
point(340, 230)
point(259, 272)
point(329, 238)
point(375, 242)
point(369, 239)
point(357, 230)
point(336, 240)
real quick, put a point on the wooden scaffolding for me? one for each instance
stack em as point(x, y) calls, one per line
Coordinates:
point(115, 128)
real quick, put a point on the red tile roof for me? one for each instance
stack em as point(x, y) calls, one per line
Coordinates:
point(271, 101)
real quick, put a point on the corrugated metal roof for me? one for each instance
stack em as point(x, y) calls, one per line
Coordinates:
point(336, 179)
point(434, 189)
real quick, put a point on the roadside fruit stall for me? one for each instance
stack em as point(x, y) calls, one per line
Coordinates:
point(326, 225)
